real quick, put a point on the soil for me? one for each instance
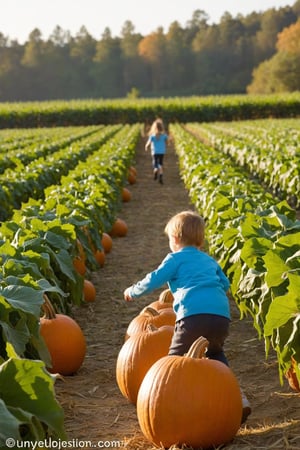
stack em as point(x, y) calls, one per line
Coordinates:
point(96, 413)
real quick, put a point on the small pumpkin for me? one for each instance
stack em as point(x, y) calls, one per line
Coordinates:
point(119, 228)
point(106, 242)
point(150, 316)
point(100, 257)
point(189, 400)
point(291, 376)
point(81, 251)
point(138, 354)
point(126, 195)
point(64, 339)
point(133, 170)
point(79, 265)
point(132, 175)
point(89, 291)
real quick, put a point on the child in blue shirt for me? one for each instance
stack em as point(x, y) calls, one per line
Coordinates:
point(199, 288)
point(157, 141)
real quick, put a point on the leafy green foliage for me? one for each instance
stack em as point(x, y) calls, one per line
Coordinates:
point(142, 110)
point(37, 248)
point(28, 408)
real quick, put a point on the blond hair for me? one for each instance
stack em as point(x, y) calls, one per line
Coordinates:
point(188, 227)
point(157, 127)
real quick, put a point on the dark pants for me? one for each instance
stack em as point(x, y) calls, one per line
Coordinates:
point(157, 160)
point(213, 327)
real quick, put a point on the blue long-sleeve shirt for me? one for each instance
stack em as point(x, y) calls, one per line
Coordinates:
point(195, 279)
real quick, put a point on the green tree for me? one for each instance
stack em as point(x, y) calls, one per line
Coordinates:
point(179, 59)
point(272, 22)
point(108, 69)
point(11, 85)
point(281, 73)
point(152, 49)
point(134, 68)
point(82, 51)
point(33, 61)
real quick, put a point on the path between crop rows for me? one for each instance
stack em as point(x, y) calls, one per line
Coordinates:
point(94, 408)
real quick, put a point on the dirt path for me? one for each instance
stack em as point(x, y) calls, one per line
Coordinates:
point(94, 407)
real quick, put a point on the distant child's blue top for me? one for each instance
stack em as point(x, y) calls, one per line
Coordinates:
point(158, 143)
point(195, 279)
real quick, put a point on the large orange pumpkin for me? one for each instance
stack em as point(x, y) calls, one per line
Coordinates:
point(138, 354)
point(150, 316)
point(64, 339)
point(189, 400)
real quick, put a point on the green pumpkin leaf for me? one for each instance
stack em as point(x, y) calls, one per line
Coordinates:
point(276, 268)
point(284, 307)
point(9, 425)
point(27, 390)
point(23, 298)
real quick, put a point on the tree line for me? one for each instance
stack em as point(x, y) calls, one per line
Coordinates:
point(255, 53)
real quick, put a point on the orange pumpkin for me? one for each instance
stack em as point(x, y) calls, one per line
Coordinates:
point(64, 339)
point(119, 228)
point(126, 195)
point(133, 170)
point(165, 300)
point(79, 265)
point(150, 316)
point(189, 400)
point(81, 252)
point(138, 354)
point(100, 257)
point(89, 291)
point(132, 175)
point(106, 242)
point(291, 376)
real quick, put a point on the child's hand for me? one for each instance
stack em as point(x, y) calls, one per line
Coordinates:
point(127, 296)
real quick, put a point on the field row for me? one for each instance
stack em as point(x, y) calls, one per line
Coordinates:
point(254, 237)
point(268, 149)
point(145, 110)
point(40, 247)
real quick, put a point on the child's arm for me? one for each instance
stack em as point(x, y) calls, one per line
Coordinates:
point(148, 144)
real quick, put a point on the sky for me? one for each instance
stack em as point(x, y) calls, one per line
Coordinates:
point(19, 17)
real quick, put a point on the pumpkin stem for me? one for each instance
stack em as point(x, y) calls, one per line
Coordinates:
point(151, 328)
point(47, 307)
point(198, 348)
point(166, 297)
point(150, 311)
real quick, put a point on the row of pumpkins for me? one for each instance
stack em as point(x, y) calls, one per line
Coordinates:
point(185, 400)
point(67, 355)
